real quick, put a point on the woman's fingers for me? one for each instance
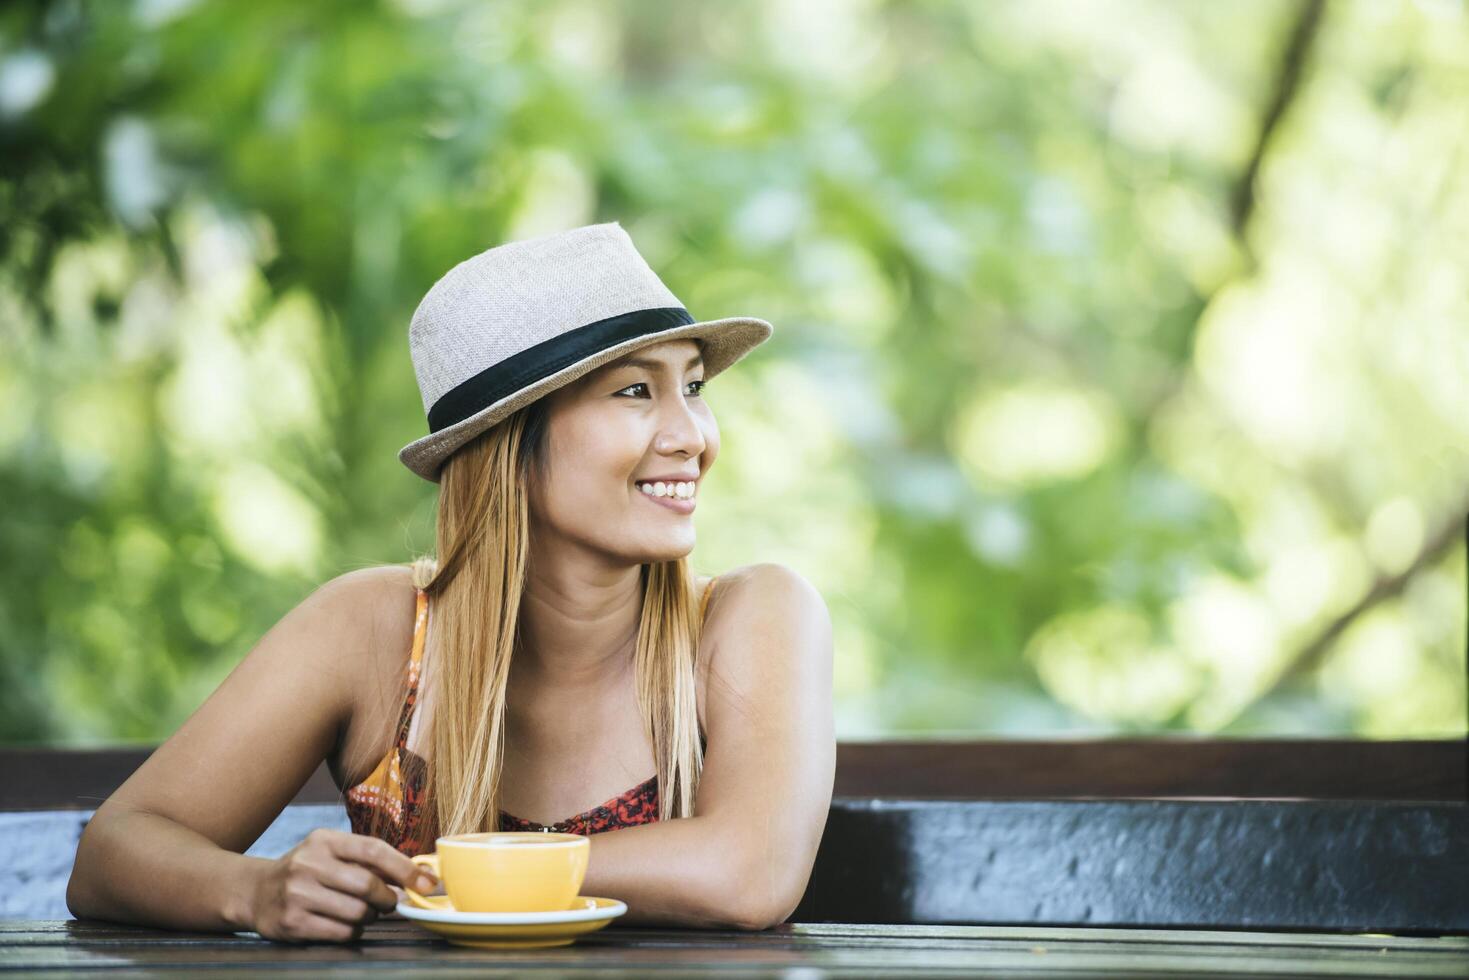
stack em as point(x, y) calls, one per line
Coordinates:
point(349, 909)
point(310, 927)
point(381, 857)
point(355, 880)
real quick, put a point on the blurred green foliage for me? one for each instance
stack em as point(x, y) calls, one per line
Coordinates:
point(1118, 382)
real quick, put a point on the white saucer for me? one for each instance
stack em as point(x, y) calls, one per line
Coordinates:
point(517, 930)
point(583, 909)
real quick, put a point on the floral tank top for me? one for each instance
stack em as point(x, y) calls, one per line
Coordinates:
point(396, 786)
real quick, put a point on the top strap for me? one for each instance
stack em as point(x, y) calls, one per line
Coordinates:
point(420, 633)
point(704, 602)
point(415, 660)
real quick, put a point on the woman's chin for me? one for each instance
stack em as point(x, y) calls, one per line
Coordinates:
point(667, 547)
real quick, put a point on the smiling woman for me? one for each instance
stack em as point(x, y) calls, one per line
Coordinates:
point(557, 650)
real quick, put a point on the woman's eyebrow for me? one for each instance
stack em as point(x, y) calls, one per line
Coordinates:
point(651, 365)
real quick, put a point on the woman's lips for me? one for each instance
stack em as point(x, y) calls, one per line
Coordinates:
point(672, 503)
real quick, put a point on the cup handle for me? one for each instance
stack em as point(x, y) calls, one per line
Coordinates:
point(438, 903)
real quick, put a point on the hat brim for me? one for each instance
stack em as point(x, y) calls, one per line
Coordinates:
point(725, 342)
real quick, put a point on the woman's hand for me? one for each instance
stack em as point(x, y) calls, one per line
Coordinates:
point(330, 885)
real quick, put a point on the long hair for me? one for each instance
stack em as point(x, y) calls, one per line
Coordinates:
point(475, 586)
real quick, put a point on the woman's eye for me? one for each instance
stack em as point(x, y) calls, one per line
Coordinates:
point(644, 384)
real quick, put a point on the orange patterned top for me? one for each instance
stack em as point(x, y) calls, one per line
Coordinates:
point(397, 784)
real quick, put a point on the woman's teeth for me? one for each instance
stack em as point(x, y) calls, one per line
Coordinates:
point(681, 490)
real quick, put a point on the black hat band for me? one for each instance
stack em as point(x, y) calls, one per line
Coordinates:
point(500, 380)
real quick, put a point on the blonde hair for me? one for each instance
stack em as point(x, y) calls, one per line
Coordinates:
point(475, 587)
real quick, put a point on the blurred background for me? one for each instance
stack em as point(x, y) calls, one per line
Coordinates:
point(1120, 381)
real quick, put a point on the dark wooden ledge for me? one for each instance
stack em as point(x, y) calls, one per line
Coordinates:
point(1178, 767)
point(973, 769)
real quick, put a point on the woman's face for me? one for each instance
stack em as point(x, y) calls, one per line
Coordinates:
point(639, 418)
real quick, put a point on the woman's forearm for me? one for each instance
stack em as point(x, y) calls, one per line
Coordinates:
point(680, 873)
point(143, 869)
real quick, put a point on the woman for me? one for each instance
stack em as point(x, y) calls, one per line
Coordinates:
point(558, 650)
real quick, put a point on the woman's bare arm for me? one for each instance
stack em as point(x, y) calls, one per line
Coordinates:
point(166, 849)
point(744, 859)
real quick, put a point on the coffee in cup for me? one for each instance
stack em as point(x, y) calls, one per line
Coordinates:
point(505, 871)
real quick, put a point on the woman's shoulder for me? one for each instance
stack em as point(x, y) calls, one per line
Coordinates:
point(742, 594)
point(383, 599)
point(763, 574)
point(759, 615)
point(379, 585)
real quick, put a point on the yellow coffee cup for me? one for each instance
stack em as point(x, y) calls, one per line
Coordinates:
point(505, 871)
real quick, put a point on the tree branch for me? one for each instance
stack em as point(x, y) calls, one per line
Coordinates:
point(1287, 86)
point(1309, 656)
point(1287, 83)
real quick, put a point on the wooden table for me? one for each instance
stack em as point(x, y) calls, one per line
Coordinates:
point(62, 948)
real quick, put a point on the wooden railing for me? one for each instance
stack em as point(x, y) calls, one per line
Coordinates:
point(39, 778)
point(1340, 835)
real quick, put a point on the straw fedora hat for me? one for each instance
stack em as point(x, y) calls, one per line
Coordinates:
point(505, 327)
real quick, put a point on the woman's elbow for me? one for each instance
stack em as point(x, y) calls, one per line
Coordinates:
point(754, 908)
point(75, 904)
point(756, 916)
point(78, 891)
point(756, 920)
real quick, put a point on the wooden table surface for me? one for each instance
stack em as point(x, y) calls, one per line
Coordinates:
point(62, 948)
